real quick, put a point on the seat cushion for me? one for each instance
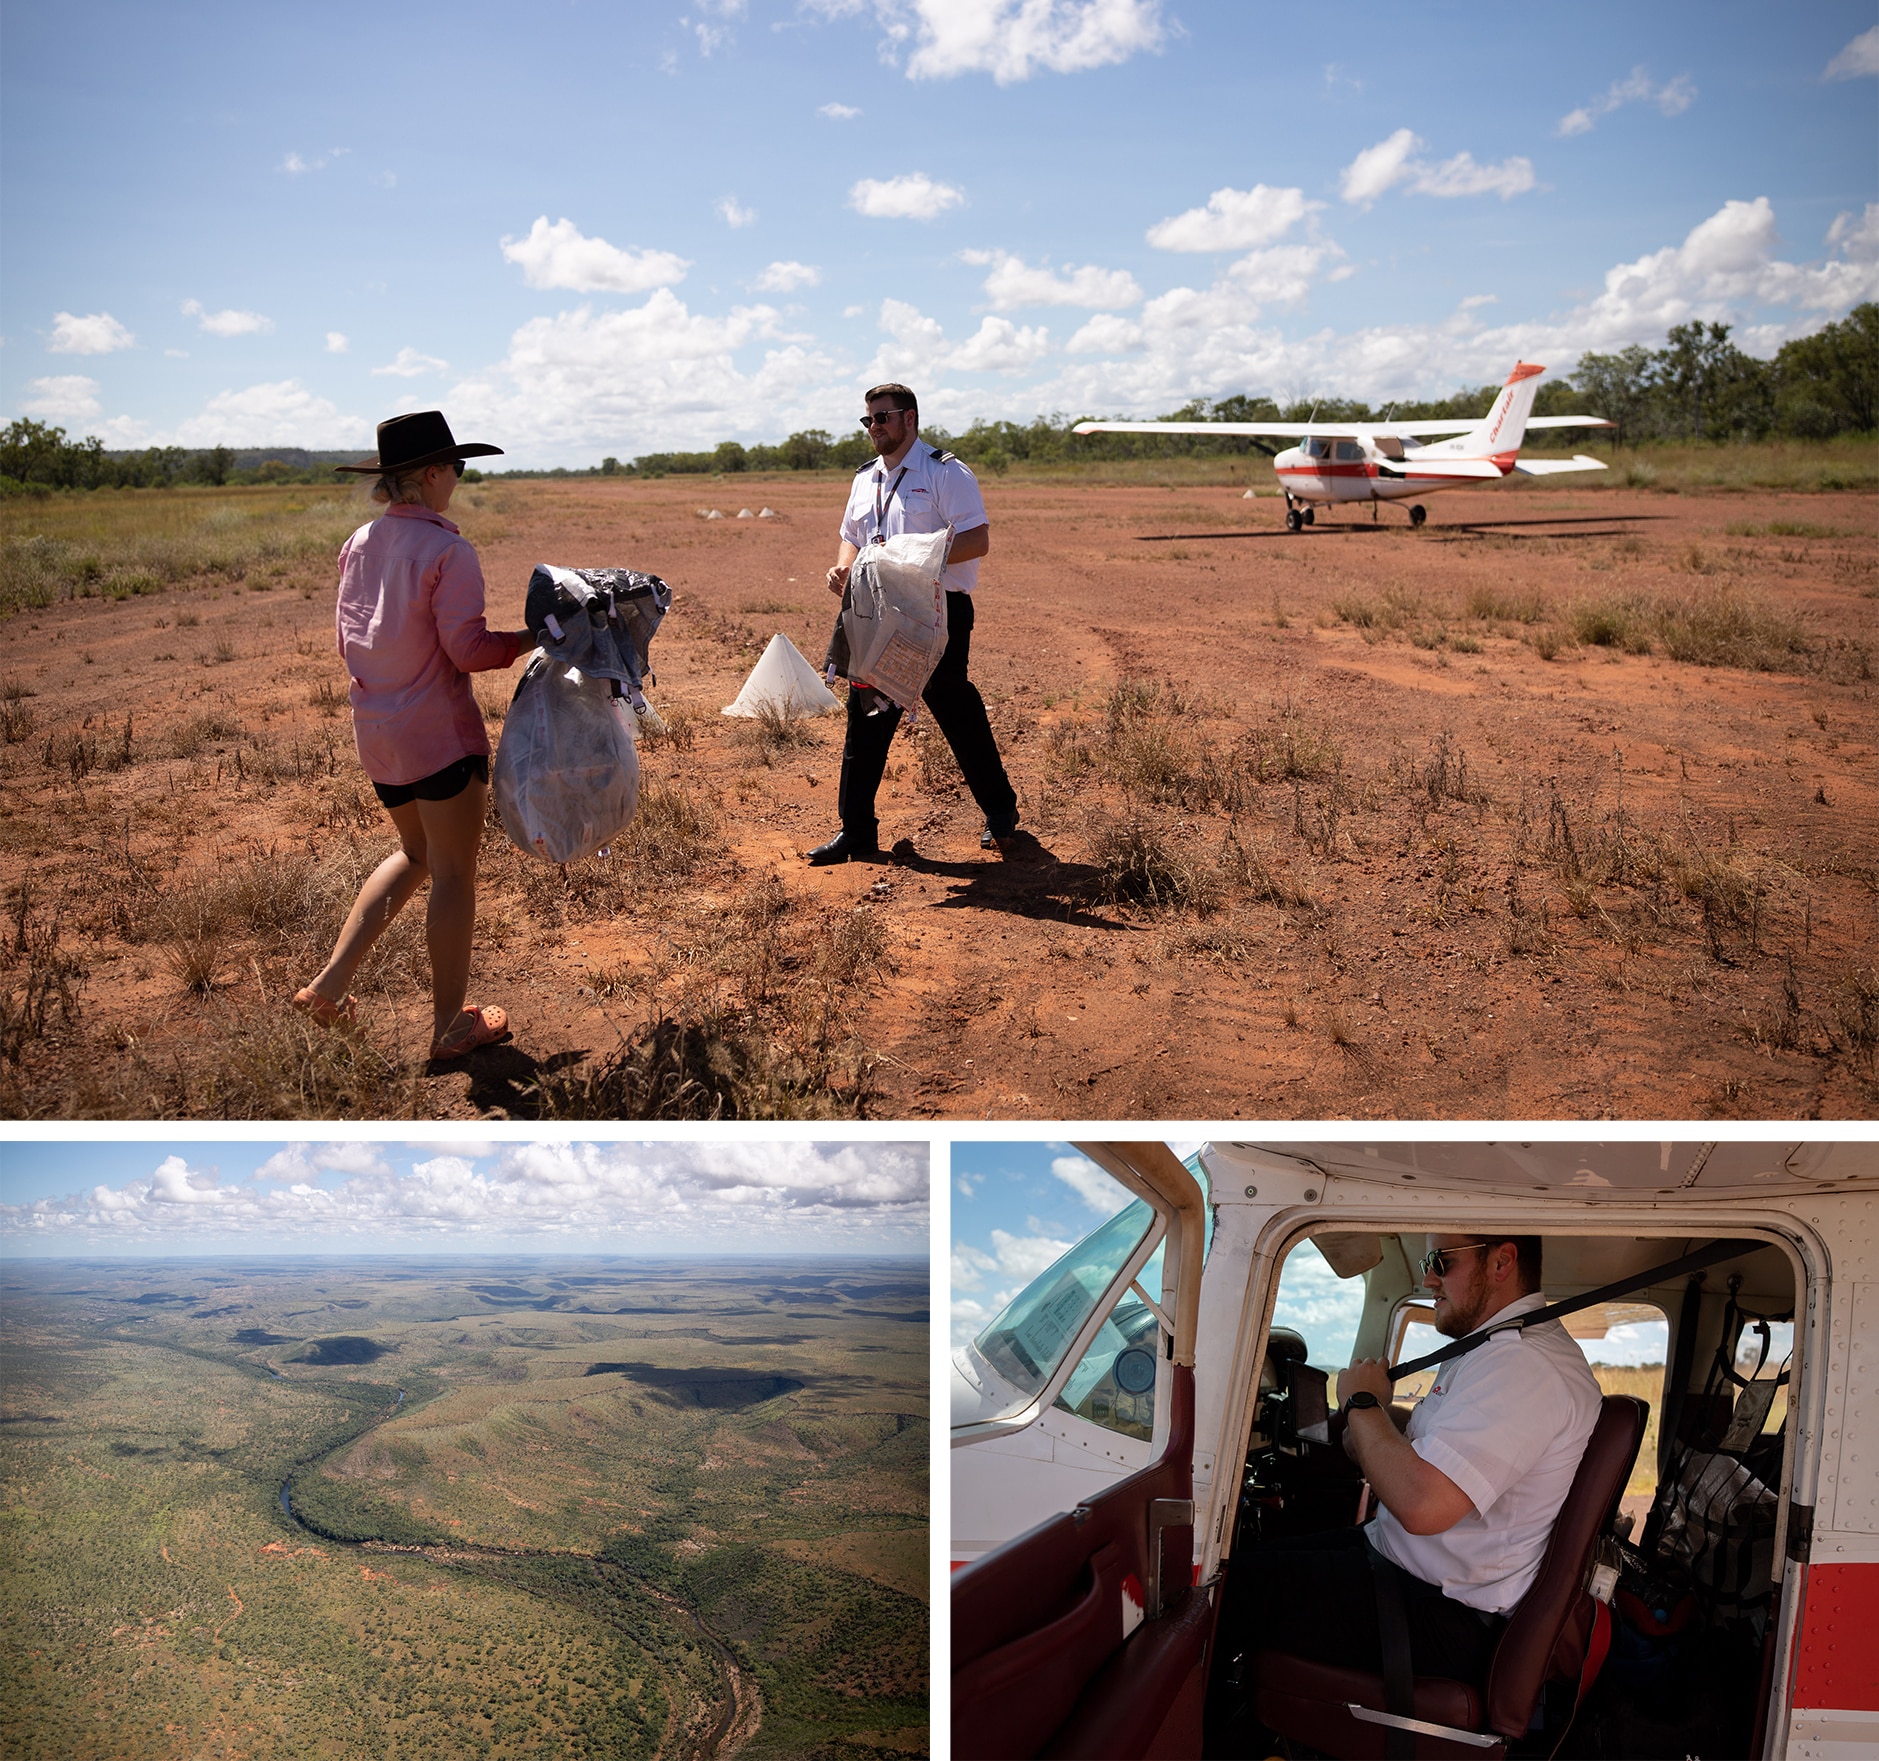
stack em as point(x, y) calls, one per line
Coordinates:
point(1306, 1700)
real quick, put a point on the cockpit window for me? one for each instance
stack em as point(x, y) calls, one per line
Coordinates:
point(1029, 1339)
point(1316, 448)
point(1114, 1385)
point(1349, 452)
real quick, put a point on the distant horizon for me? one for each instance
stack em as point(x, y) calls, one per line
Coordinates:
point(447, 1258)
point(308, 1197)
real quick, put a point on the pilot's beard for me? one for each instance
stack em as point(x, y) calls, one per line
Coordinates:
point(1460, 1321)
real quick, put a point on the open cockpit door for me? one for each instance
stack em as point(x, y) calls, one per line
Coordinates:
point(1080, 1636)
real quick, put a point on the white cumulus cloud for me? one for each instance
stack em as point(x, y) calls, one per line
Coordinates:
point(1392, 161)
point(1233, 220)
point(787, 276)
point(1858, 60)
point(228, 322)
point(409, 364)
point(1096, 1189)
point(279, 413)
point(838, 112)
point(64, 397)
point(97, 333)
point(1009, 39)
point(561, 256)
point(336, 343)
point(1014, 284)
point(918, 348)
point(658, 372)
point(1672, 98)
point(756, 1194)
point(912, 197)
point(735, 215)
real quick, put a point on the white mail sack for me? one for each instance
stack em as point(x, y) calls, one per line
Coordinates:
point(895, 614)
point(566, 777)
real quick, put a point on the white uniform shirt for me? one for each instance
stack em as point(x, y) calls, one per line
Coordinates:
point(923, 493)
point(1507, 1423)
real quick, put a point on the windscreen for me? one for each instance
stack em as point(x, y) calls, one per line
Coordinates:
point(1028, 1341)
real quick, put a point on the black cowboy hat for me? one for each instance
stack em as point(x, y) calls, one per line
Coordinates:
point(407, 443)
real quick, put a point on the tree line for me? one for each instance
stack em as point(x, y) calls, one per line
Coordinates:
point(1698, 387)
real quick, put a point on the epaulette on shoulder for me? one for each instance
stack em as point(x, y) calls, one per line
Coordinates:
point(941, 456)
point(863, 470)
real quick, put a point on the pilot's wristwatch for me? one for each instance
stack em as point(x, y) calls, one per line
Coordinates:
point(1362, 1400)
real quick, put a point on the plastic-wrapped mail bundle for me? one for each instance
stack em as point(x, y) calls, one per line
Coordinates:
point(894, 615)
point(566, 777)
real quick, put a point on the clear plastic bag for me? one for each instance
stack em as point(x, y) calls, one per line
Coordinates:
point(894, 615)
point(566, 777)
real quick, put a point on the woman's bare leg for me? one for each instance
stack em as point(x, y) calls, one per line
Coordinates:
point(382, 897)
point(453, 834)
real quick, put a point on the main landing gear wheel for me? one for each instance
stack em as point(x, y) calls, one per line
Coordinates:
point(1310, 516)
point(1293, 519)
point(1418, 514)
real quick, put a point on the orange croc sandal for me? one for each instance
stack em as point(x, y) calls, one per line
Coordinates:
point(479, 1025)
point(324, 1010)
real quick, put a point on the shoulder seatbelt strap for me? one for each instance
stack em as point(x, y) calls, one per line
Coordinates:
point(1399, 1680)
point(1714, 1254)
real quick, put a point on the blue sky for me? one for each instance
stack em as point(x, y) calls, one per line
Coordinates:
point(1017, 1207)
point(370, 1195)
point(585, 229)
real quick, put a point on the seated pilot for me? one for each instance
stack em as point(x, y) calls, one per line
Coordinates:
point(1467, 1488)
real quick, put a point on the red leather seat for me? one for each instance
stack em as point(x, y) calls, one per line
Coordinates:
point(1546, 1638)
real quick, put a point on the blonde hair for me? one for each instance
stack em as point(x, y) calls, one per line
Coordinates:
point(401, 487)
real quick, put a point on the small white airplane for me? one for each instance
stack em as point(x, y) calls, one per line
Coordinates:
point(1389, 461)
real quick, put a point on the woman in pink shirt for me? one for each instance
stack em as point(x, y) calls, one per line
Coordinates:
point(411, 632)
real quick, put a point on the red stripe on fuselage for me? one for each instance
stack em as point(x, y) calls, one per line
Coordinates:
point(1836, 1661)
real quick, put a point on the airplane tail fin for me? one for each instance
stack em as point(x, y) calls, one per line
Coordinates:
point(1504, 427)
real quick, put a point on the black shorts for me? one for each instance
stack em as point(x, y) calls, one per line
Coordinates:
point(443, 785)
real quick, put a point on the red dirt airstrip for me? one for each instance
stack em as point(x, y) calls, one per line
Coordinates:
point(1652, 896)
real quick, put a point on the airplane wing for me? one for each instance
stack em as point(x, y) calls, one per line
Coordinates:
point(1552, 467)
point(1333, 430)
point(1282, 430)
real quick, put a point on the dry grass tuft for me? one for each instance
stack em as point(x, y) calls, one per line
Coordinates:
point(707, 1065)
point(40, 977)
point(673, 834)
point(774, 730)
point(1136, 864)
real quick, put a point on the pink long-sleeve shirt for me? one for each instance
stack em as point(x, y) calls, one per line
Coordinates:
point(411, 631)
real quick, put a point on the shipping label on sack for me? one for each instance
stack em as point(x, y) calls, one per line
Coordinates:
point(895, 614)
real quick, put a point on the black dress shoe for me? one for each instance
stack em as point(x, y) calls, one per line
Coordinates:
point(843, 847)
point(996, 836)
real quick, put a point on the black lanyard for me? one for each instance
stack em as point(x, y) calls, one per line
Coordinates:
point(882, 508)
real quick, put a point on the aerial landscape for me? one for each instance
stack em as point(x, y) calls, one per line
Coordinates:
point(445, 1504)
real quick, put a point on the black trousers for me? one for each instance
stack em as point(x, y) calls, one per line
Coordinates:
point(1313, 1596)
point(959, 711)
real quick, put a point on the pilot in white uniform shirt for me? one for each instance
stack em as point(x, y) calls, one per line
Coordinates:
point(924, 493)
point(1508, 1424)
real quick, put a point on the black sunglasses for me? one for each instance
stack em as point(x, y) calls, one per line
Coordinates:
point(873, 421)
point(457, 466)
point(1438, 1260)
